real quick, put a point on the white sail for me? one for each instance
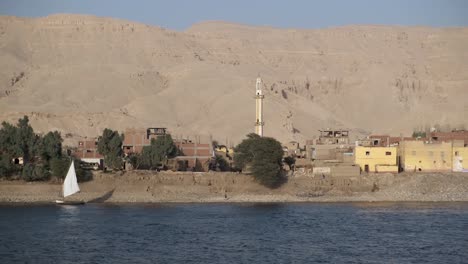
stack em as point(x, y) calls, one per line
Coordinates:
point(70, 185)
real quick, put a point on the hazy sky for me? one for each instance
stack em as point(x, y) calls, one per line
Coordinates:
point(180, 14)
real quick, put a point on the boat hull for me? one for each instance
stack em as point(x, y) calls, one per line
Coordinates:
point(61, 202)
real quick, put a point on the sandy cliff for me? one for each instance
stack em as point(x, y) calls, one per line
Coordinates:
point(79, 74)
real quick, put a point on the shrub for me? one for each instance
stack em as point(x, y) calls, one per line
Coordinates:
point(59, 167)
point(32, 172)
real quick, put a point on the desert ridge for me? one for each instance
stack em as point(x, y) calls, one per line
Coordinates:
point(80, 74)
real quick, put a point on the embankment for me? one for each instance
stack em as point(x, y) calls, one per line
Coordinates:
point(233, 187)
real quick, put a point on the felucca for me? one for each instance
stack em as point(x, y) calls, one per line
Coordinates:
point(70, 186)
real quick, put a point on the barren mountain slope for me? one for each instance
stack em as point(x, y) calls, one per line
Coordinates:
point(79, 74)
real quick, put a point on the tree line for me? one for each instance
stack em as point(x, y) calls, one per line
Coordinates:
point(43, 155)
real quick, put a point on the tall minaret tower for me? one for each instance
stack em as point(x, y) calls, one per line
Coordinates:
point(259, 108)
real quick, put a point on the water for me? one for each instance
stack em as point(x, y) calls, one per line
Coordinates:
point(235, 233)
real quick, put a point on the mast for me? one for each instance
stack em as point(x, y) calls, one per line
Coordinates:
point(259, 108)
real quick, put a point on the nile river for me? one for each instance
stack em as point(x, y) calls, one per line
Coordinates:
point(235, 233)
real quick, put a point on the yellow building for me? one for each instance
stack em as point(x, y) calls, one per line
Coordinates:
point(460, 157)
point(376, 159)
point(425, 156)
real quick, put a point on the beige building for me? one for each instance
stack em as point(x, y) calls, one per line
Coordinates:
point(426, 156)
point(376, 159)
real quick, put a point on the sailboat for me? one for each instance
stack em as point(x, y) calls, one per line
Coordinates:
point(70, 186)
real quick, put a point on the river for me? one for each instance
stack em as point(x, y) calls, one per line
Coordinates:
point(235, 233)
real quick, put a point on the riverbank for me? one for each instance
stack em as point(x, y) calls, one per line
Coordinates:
point(151, 187)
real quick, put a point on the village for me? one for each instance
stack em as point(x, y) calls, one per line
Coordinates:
point(332, 153)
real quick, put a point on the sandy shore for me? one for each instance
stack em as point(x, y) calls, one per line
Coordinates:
point(150, 187)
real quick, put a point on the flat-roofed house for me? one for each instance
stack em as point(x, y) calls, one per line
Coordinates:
point(376, 159)
point(425, 156)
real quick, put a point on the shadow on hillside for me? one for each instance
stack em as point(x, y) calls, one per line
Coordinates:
point(103, 198)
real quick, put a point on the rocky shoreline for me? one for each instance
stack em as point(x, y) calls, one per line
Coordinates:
point(216, 187)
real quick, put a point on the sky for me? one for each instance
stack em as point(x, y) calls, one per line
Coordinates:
point(181, 14)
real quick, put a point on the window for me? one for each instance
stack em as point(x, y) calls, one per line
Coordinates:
point(456, 153)
point(376, 142)
point(367, 153)
point(388, 153)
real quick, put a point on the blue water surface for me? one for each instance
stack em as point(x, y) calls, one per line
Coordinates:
point(235, 233)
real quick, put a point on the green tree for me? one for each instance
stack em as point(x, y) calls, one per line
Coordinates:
point(264, 155)
point(8, 140)
point(110, 146)
point(51, 146)
point(7, 149)
point(20, 141)
point(158, 152)
point(26, 141)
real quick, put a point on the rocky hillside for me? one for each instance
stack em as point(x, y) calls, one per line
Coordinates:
point(79, 74)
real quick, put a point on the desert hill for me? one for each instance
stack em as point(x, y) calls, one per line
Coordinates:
point(79, 74)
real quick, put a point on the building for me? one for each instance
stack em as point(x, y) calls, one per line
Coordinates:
point(425, 156)
point(293, 149)
point(383, 141)
point(259, 108)
point(376, 159)
point(87, 152)
point(450, 136)
point(196, 155)
point(459, 156)
point(136, 139)
point(333, 137)
point(331, 145)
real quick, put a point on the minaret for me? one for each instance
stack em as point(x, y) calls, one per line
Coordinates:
point(259, 108)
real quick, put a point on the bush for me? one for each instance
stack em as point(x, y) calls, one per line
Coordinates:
point(290, 161)
point(59, 167)
point(33, 172)
point(7, 168)
point(219, 163)
point(82, 175)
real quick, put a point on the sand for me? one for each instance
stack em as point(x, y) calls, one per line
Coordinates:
point(148, 187)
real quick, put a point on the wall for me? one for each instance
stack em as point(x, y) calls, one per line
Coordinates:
point(421, 156)
point(460, 159)
point(373, 156)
